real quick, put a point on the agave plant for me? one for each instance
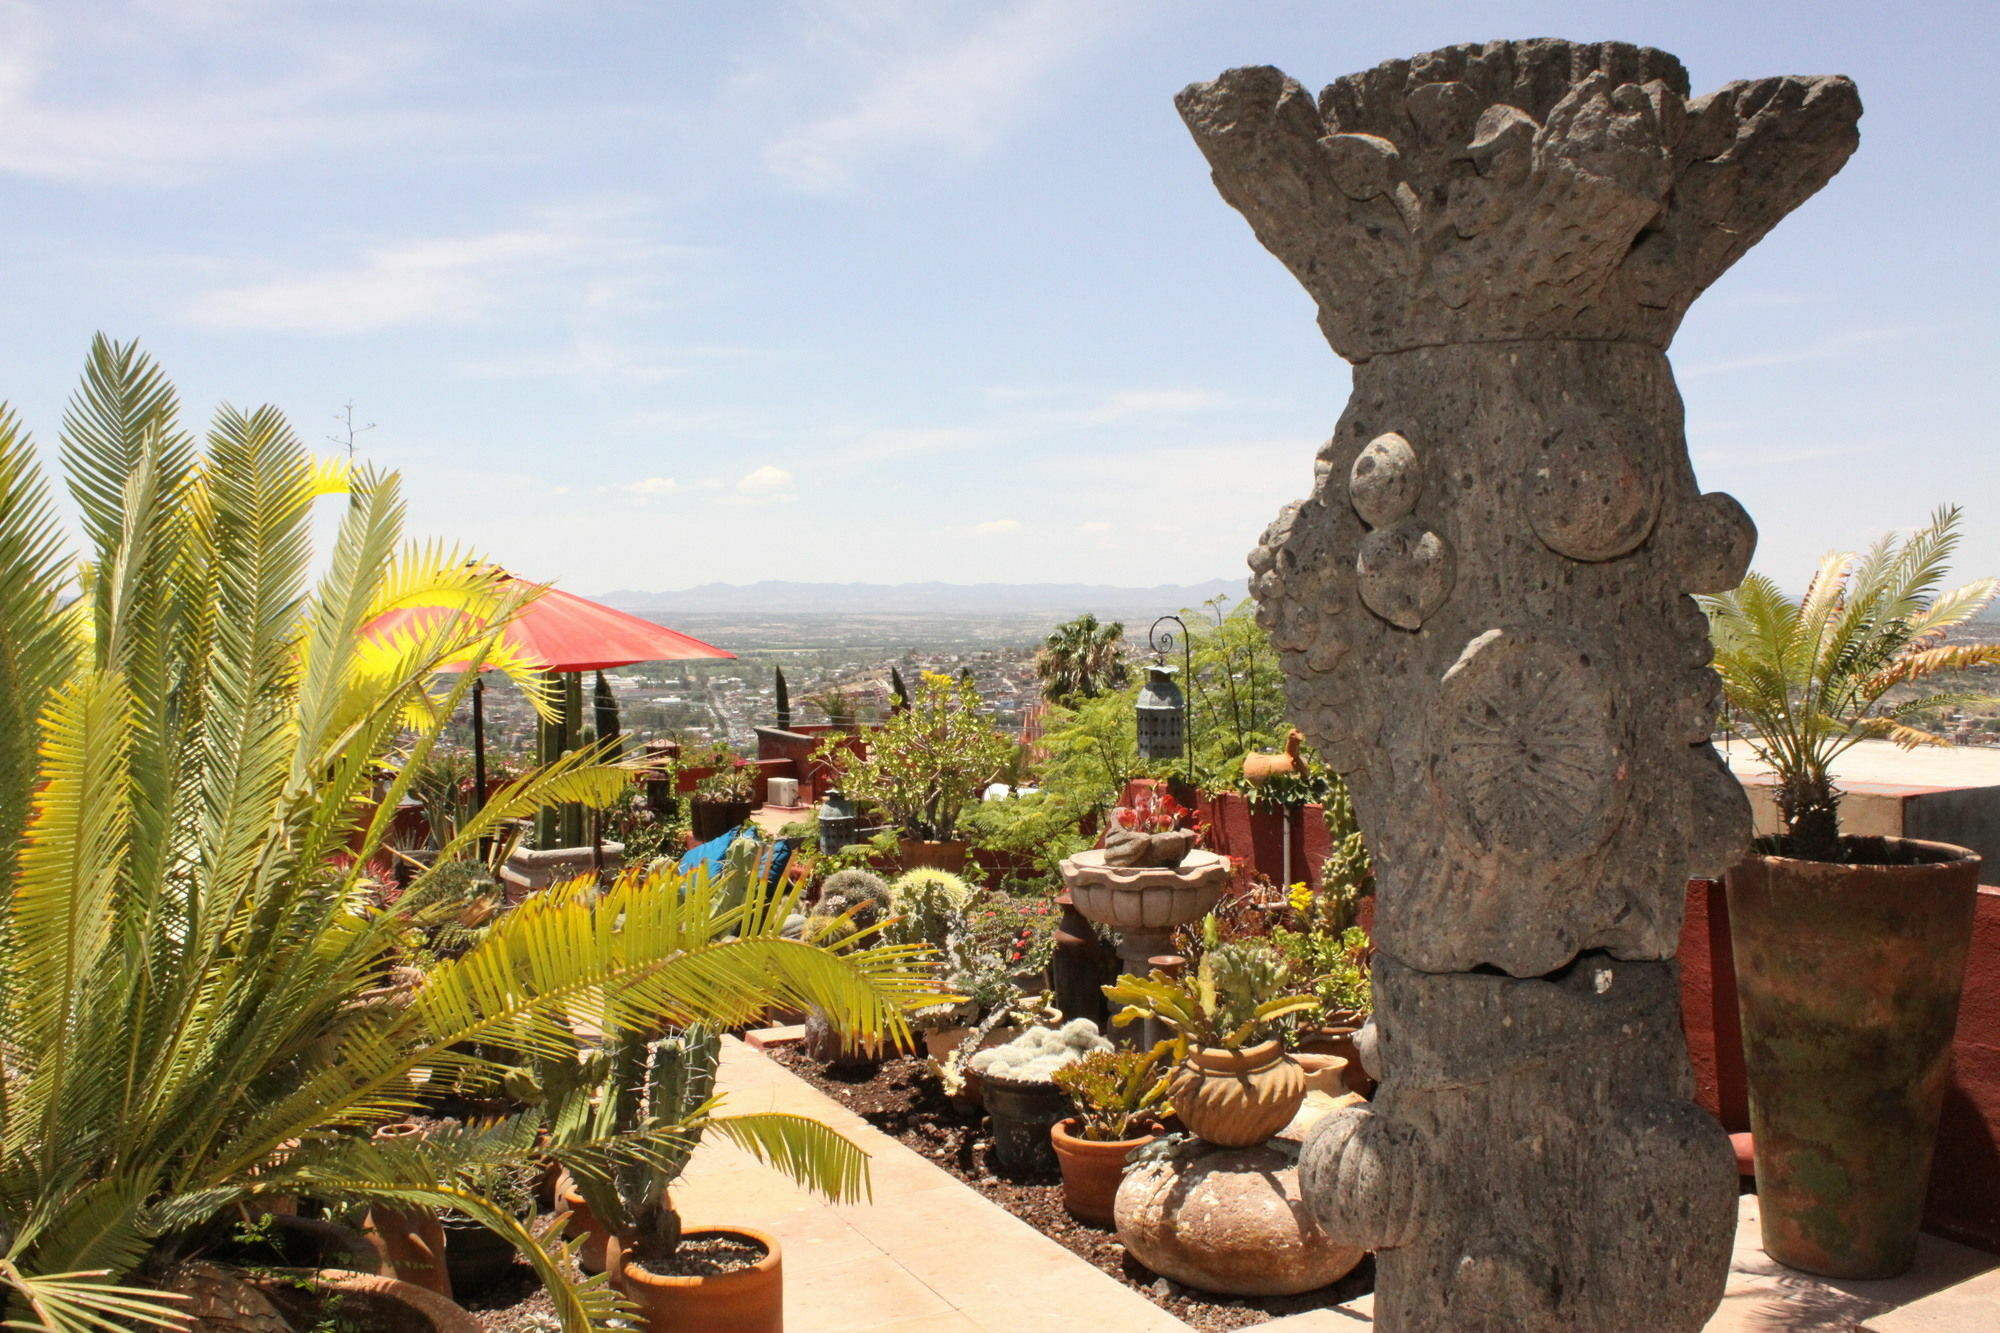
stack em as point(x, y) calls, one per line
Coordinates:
point(1805, 680)
point(193, 1000)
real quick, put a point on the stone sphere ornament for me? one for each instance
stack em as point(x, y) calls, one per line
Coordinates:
point(1483, 613)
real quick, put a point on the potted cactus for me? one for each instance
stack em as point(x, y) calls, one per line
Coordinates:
point(853, 905)
point(1117, 1095)
point(1234, 1084)
point(1017, 1081)
point(660, 1094)
point(722, 800)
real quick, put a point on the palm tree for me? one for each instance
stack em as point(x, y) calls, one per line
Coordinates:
point(1803, 681)
point(1081, 659)
point(195, 997)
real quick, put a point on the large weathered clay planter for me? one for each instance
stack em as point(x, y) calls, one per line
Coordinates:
point(1022, 1116)
point(1092, 1170)
point(364, 1300)
point(1237, 1099)
point(1146, 898)
point(749, 1300)
point(1228, 1221)
point(1849, 979)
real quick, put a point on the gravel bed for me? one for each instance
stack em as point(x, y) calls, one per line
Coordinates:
point(902, 1099)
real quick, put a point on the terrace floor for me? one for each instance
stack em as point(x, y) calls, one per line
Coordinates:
point(929, 1255)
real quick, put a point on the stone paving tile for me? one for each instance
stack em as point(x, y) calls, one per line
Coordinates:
point(927, 1254)
point(1965, 1307)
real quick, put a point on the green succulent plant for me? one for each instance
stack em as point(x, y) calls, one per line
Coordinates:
point(1235, 998)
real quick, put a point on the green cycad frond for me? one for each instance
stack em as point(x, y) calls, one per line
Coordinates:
point(1806, 681)
point(36, 646)
point(84, 1302)
point(822, 1159)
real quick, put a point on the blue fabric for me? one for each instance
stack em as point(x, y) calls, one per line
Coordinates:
point(710, 854)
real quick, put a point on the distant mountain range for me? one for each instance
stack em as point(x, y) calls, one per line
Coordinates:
point(957, 599)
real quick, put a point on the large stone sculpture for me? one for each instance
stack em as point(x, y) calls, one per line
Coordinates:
point(1484, 619)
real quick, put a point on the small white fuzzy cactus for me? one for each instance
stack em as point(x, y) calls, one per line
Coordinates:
point(1035, 1055)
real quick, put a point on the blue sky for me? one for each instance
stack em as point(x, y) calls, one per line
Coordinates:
point(645, 294)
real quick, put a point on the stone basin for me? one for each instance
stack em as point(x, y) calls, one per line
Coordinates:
point(1145, 898)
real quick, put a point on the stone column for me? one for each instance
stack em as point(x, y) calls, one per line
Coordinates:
point(1484, 618)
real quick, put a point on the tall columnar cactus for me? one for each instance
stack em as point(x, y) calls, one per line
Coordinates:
point(1482, 612)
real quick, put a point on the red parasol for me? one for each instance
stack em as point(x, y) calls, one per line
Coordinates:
point(558, 631)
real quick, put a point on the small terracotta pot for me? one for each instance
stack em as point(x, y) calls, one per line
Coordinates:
point(749, 1300)
point(1237, 1099)
point(1091, 1170)
point(1323, 1073)
point(593, 1256)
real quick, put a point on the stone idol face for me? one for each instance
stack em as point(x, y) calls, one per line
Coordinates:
point(1484, 618)
point(1483, 607)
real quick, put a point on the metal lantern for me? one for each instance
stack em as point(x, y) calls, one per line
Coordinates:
point(1162, 715)
point(839, 825)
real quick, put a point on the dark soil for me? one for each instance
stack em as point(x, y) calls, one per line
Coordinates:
point(707, 1254)
point(902, 1098)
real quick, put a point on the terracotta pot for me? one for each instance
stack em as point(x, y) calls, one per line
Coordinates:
point(1237, 1099)
point(411, 1243)
point(1339, 1041)
point(1849, 979)
point(364, 1300)
point(712, 819)
point(749, 1300)
point(945, 856)
point(1323, 1073)
point(1022, 1115)
point(593, 1256)
point(1091, 1170)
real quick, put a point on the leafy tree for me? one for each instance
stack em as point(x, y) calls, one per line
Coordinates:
point(1081, 659)
point(197, 1000)
point(928, 760)
point(1805, 680)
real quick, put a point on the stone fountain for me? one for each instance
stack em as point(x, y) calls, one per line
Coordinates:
point(1484, 620)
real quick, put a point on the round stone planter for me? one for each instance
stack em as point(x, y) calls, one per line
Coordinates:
point(1237, 1099)
point(1022, 1116)
point(1092, 1170)
point(1145, 898)
point(1228, 1221)
point(1849, 979)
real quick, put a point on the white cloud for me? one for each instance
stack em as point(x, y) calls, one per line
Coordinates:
point(958, 96)
point(765, 480)
point(451, 280)
point(999, 527)
point(1094, 526)
point(653, 486)
point(1836, 345)
point(762, 485)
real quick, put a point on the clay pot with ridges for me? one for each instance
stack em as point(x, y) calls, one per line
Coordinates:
point(749, 1300)
point(1849, 978)
point(1237, 1099)
point(1092, 1170)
